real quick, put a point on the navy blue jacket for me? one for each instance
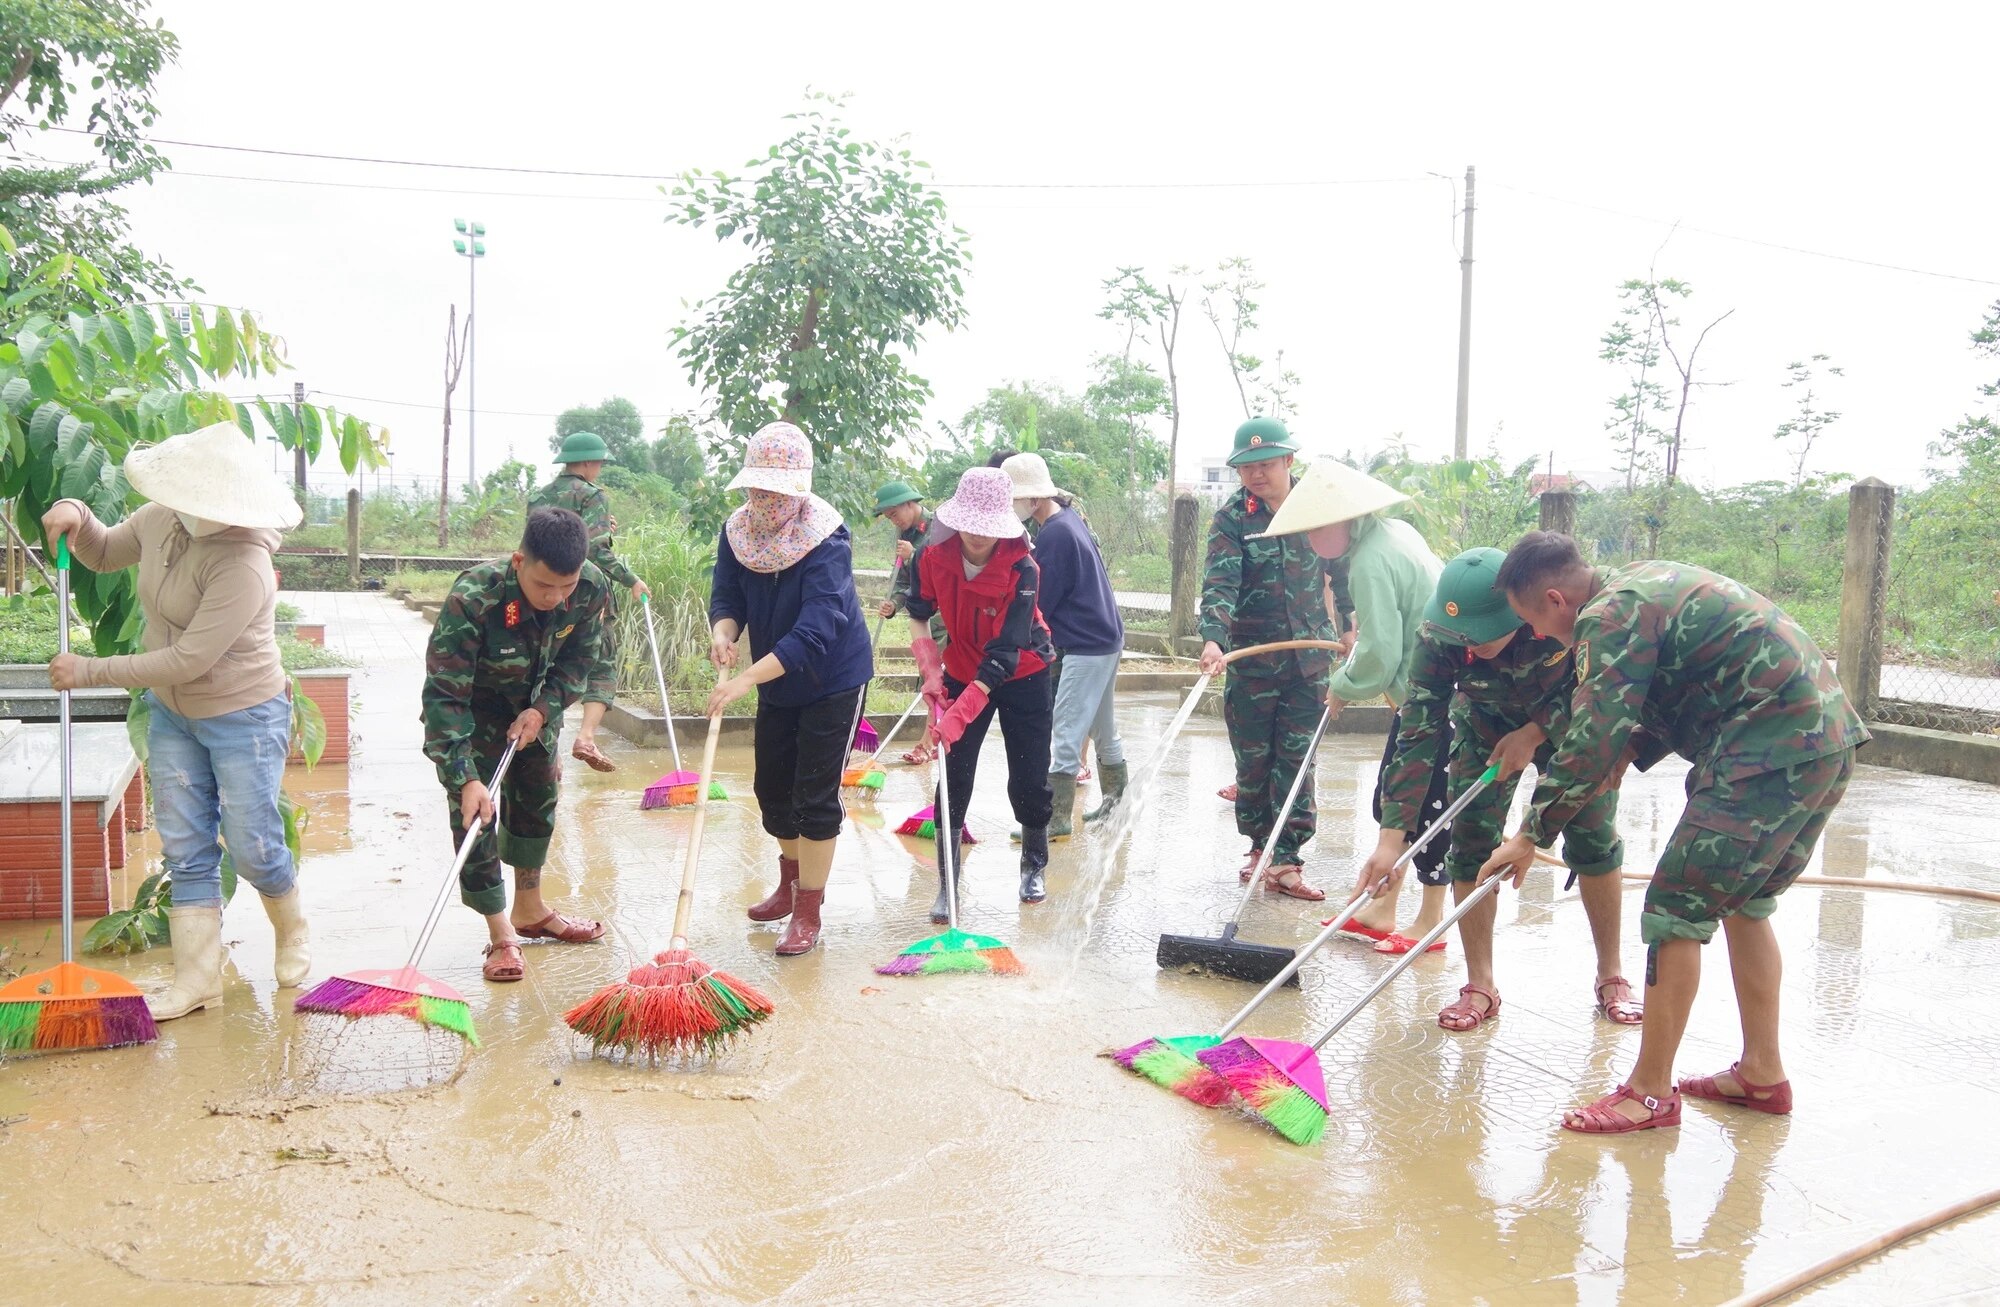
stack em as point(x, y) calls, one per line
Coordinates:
point(1076, 590)
point(808, 615)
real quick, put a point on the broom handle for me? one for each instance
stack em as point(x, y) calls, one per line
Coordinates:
point(947, 835)
point(684, 907)
point(1360, 901)
point(63, 746)
point(458, 863)
point(883, 747)
point(1284, 815)
point(660, 673)
point(1402, 964)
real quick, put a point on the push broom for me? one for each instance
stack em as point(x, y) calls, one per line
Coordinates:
point(677, 788)
point(1181, 1063)
point(406, 991)
point(861, 736)
point(675, 1004)
point(954, 950)
point(1225, 955)
point(67, 1006)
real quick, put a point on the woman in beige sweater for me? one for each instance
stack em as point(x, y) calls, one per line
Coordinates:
point(220, 725)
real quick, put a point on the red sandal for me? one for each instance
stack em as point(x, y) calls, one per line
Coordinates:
point(507, 966)
point(1775, 1099)
point(568, 930)
point(1603, 1117)
point(1290, 879)
point(1356, 928)
point(1464, 1009)
point(1626, 1011)
point(1399, 944)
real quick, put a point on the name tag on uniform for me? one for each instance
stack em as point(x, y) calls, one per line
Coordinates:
point(564, 633)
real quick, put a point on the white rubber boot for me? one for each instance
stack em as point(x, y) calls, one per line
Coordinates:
point(288, 919)
point(197, 941)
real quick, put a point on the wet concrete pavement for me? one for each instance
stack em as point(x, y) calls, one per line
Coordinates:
point(956, 1138)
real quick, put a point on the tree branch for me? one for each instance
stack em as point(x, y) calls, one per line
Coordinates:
point(24, 62)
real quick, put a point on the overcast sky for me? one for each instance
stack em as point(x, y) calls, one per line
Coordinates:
point(1861, 132)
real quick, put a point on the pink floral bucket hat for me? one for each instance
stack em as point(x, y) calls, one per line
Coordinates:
point(983, 506)
point(778, 458)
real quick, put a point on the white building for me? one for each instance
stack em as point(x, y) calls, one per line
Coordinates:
point(1218, 481)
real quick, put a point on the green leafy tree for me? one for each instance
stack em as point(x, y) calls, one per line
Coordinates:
point(87, 65)
point(1646, 446)
point(1804, 428)
point(852, 256)
point(680, 456)
point(618, 421)
point(1229, 302)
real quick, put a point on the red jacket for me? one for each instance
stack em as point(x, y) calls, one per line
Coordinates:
point(996, 630)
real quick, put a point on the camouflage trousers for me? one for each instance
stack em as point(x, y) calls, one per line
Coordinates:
point(1738, 847)
point(527, 809)
point(1271, 721)
point(1591, 845)
point(603, 686)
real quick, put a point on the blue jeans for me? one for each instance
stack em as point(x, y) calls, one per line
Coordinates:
point(1084, 708)
point(219, 777)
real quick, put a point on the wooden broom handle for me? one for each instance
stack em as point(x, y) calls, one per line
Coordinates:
point(684, 907)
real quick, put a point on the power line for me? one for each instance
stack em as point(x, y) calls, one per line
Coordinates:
point(412, 190)
point(490, 412)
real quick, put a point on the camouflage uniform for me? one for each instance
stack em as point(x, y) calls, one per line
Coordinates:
point(1257, 591)
point(588, 501)
point(493, 656)
point(1720, 675)
point(1465, 705)
point(903, 578)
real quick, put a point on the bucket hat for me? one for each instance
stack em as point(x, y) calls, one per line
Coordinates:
point(1261, 438)
point(894, 495)
point(1030, 475)
point(1468, 606)
point(584, 447)
point(1330, 492)
point(217, 474)
point(779, 458)
point(983, 506)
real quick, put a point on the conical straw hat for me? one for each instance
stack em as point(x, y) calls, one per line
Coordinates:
point(214, 473)
point(1330, 492)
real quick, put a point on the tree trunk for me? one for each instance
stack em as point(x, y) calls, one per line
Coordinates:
point(1168, 339)
point(801, 341)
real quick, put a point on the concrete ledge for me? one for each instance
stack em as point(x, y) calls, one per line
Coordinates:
point(1937, 753)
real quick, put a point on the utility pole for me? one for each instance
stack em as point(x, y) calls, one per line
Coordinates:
point(1464, 326)
point(299, 448)
point(473, 249)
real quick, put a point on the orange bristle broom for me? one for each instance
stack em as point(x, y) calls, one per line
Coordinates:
point(677, 788)
point(675, 1004)
point(67, 1006)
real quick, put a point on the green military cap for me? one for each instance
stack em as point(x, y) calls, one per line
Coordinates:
point(893, 494)
point(1468, 606)
point(1261, 438)
point(583, 447)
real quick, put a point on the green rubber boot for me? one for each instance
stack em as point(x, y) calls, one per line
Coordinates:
point(1064, 786)
point(1115, 777)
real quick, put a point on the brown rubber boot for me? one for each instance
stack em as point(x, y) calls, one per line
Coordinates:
point(779, 905)
point(803, 930)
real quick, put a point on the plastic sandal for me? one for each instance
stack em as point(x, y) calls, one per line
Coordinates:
point(1290, 879)
point(1356, 928)
point(1249, 865)
point(1603, 1117)
point(1398, 943)
point(591, 756)
point(1615, 1009)
point(565, 929)
point(1775, 1099)
point(1227, 794)
point(501, 969)
point(1464, 1009)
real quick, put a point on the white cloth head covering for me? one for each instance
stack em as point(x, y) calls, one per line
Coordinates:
point(1030, 475)
point(216, 474)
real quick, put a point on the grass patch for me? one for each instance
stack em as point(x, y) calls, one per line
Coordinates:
point(298, 656)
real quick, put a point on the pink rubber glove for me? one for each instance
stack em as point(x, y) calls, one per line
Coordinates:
point(951, 726)
point(930, 666)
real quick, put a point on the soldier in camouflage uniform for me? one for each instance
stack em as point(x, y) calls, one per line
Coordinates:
point(1257, 591)
point(583, 456)
point(1673, 657)
point(513, 647)
point(1487, 689)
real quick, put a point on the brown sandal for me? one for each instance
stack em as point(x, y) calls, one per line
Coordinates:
point(563, 929)
point(1626, 1011)
point(500, 969)
point(1290, 878)
point(591, 755)
point(1463, 1009)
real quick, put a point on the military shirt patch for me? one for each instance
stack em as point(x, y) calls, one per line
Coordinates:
point(513, 613)
point(1557, 657)
point(564, 633)
point(1582, 659)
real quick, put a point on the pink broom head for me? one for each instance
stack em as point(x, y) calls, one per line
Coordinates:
point(675, 1005)
point(678, 789)
point(1172, 1062)
point(953, 951)
point(70, 1006)
point(923, 825)
point(404, 992)
point(1278, 1080)
point(865, 738)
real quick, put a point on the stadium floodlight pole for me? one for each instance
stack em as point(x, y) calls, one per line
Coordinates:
point(473, 249)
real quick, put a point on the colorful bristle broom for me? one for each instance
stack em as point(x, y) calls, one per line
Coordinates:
point(923, 825)
point(405, 991)
point(676, 1004)
point(954, 950)
point(1276, 1079)
point(677, 789)
point(861, 735)
point(69, 1007)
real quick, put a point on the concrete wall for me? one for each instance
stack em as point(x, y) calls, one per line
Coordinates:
point(1937, 753)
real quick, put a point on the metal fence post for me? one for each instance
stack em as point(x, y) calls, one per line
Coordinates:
point(1864, 592)
point(1184, 551)
point(354, 539)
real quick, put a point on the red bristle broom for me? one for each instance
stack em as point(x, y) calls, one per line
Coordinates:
point(1279, 1080)
point(954, 949)
point(69, 1007)
point(677, 788)
point(405, 991)
point(674, 1004)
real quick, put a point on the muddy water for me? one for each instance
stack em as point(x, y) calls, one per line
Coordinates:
point(956, 1138)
